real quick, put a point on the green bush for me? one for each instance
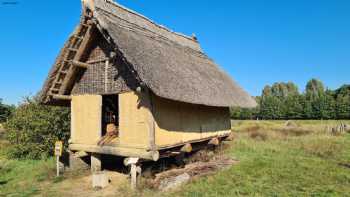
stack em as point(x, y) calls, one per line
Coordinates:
point(33, 129)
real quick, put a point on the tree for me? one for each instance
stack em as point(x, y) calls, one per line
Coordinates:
point(343, 107)
point(293, 108)
point(327, 106)
point(314, 89)
point(342, 96)
point(283, 101)
point(270, 108)
point(34, 128)
point(5, 111)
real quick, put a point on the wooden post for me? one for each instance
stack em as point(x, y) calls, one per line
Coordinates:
point(133, 174)
point(96, 165)
point(57, 166)
point(58, 152)
point(134, 169)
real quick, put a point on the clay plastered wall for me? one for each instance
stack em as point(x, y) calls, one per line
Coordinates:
point(177, 122)
point(86, 119)
point(133, 121)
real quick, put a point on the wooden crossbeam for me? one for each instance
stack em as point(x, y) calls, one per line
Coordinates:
point(61, 97)
point(80, 64)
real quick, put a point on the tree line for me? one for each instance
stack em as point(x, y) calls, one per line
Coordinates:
point(284, 101)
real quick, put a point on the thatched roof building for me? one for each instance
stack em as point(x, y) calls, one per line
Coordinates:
point(137, 89)
point(170, 64)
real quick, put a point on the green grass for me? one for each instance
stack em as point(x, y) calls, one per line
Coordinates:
point(304, 160)
point(307, 165)
point(23, 177)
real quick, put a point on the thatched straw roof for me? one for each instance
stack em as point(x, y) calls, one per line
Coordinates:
point(172, 65)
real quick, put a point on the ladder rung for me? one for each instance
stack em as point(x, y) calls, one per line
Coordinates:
point(72, 49)
point(78, 37)
point(54, 90)
point(69, 61)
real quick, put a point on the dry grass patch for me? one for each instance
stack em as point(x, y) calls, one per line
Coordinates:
point(322, 146)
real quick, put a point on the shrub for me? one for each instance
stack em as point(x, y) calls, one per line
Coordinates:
point(33, 129)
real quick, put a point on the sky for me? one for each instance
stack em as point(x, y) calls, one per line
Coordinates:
point(258, 42)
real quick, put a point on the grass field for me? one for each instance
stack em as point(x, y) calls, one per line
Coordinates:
point(302, 159)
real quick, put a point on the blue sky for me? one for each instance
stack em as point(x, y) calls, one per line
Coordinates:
point(257, 42)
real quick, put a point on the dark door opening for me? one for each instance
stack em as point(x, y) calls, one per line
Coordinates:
point(110, 118)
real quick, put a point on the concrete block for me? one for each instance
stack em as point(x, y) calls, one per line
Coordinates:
point(100, 180)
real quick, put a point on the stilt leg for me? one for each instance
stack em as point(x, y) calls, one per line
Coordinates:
point(133, 173)
point(134, 169)
point(96, 165)
point(99, 177)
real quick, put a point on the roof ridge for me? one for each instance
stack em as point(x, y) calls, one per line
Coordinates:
point(162, 38)
point(150, 20)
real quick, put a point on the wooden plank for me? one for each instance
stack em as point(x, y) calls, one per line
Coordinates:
point(169, 146)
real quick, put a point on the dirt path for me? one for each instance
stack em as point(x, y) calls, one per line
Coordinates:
point(81, 186)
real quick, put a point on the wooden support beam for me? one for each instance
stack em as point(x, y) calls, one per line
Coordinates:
point(215, 141)
point(61, 97)
point(118, 151)
point(81, 154)
point(80, 64)
point(187, 148)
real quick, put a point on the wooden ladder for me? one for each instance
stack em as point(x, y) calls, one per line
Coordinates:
point(71, 61)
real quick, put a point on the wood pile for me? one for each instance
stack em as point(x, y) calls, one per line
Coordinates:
point(338, 129)
point(173, 178)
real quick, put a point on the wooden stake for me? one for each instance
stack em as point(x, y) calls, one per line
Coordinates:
point(57, 166)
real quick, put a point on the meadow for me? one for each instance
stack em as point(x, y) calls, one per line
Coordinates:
point(276, 158)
